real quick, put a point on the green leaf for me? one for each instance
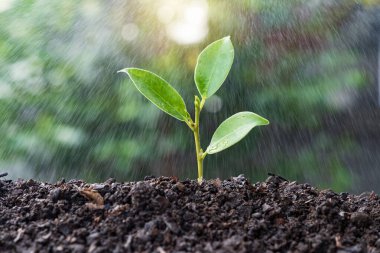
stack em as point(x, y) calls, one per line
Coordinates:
point(213, 65)
point(159, 92)
point(233, 129)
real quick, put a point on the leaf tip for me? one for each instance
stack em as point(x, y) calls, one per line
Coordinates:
point(227, 40)
point(122, 70)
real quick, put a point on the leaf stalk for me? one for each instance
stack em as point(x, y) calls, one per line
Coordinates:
point(199, 152)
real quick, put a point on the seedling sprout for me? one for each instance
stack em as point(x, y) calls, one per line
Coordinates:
point(213, 66)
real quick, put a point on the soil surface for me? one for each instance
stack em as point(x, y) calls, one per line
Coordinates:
point(168, 215)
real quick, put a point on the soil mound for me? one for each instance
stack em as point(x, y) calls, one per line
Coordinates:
point(168, 215)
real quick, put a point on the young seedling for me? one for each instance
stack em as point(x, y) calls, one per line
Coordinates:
point(213, 66)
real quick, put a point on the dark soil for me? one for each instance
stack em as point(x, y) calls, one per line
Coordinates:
point(168, 215)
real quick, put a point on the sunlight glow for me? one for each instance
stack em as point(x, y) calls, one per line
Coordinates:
point(186, 21)
point(6, 5)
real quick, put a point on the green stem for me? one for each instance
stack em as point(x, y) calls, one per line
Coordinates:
point(198, 149)
point(202, 103)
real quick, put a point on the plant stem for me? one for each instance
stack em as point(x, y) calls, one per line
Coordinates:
point(198, 149)
point(202, 103)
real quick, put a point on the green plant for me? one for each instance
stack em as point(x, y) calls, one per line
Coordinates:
point(213, 66)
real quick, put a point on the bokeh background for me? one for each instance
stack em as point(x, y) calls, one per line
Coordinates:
point(310, 66)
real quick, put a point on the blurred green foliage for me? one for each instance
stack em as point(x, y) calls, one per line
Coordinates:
point(65, 112)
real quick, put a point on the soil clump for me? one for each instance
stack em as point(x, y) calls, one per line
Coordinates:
point(169, 215)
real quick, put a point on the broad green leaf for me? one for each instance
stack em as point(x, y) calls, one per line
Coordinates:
point(159, 92)
point(213, 65)
point(233, 129)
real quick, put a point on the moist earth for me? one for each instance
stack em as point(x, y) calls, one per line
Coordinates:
point(166, 214)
